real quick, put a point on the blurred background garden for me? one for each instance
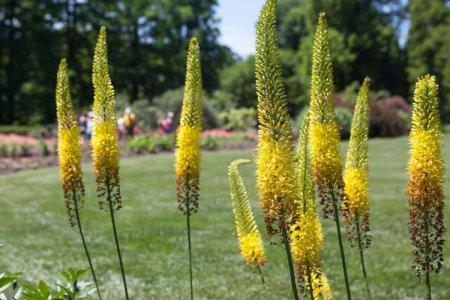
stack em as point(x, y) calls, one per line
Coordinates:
point(392, 41)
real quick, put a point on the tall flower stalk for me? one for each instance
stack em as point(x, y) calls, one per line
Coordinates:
point(276, 181)
point(324, 136)
point(105, 147)
point(356, 178)
point(306, 232)
point(426, 178)
point(250, 242)
point(69, 154)
point(187, 165)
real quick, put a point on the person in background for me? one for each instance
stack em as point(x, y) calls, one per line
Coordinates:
point(169, 123)
point(129, 121)
point(162, 124)
point(89, 125)
point(82, 123)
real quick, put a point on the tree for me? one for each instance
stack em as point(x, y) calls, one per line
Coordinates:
point(147, 44)
point(429, 46)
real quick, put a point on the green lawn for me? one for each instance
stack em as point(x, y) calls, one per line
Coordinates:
point(39, 242)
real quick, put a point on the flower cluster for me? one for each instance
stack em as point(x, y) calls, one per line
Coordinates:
point(277, 185)
point(187, 165)
point(324, 132)
point(250, 241)
point(69, 148)
point(306, 232)
point(426, 178)
point(356, 201)
point(105, 147)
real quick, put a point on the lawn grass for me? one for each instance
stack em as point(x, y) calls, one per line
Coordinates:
point(39, 242)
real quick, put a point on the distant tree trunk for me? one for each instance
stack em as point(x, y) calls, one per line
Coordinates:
point(70, 28)
point(12, 85)
point(135, 45)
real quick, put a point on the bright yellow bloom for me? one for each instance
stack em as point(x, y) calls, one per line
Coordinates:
point(69, 148)
point(426, 178)
point(252, 250)
point(306, 232)
point(250, 241)
point(307, 243)
point(277, 185)
point(356, 202)
point(321, 288)
point(105, 147)
point(324, 131)
point(187, 165)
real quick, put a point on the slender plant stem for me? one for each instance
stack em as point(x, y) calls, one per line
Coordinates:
point(361, 256)
point(311, 291)
point(119, 254)
point(341, 247)
point(77, 214)
point(289, 258)
point(261, 274)
point(427, 257)
point(188, 227)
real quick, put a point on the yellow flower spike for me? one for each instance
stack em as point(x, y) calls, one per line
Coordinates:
point(70, 156)
point(306, 232)
point(187, 165)
point(105, 147)
point(276, 178)
point(356, 201)
point(69, 148)
point(426, 178)
point(324, 136)
point(249, 238)
point(277, 186)
point(187, 161)
point(324, 131)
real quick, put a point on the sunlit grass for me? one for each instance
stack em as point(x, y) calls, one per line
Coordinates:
point(39, 241)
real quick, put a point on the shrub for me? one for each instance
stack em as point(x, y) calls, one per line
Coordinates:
point(171, 101)
point(146, 114)
point(210, 142)
point(389, 117)
point(3, 150)
point(43, 148)
point(13, 151)
point(344, 119)
point(24, 150)
point(165, 142)
point(141, 144)
point(36, 131)
point(239, 119)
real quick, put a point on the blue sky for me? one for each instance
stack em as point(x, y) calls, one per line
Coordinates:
point(237, 26)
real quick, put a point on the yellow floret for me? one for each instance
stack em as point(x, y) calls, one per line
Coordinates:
point(277, 185)
point(252, 250)
point(306, 242)
point(356, 190)
point(326, 159)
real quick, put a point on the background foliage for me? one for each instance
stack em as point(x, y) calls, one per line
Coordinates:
point(148, 41)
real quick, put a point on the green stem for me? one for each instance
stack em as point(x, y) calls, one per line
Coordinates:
point(427, 257)
point(361, 256)
point(311, 290)
point(289, 258)
point(261, 274)
point(188, 226)
point(119, 254)
point(341, 247)
point(77, 214)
